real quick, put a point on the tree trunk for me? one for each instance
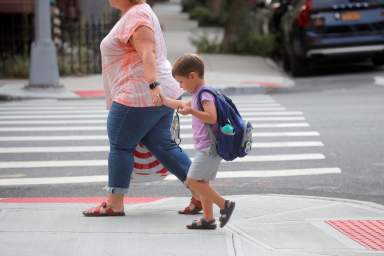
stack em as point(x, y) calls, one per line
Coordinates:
point(236, 25)
point(215, 6)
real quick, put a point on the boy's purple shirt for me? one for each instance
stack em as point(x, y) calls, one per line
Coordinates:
point(199, 130)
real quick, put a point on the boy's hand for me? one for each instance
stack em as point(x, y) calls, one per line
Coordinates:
point(162, 98)
point(185, 109)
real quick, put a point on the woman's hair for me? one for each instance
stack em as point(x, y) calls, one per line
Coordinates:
point(188, 63)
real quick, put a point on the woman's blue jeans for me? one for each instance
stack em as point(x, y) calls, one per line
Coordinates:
point(127, 126)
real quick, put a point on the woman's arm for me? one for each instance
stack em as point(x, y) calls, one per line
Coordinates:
point(143, 40)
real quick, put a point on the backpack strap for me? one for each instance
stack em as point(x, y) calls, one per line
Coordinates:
point(199, 95)
point(212, 137)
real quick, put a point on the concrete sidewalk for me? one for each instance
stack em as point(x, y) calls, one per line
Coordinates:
point(261, 225)
point(231, 73)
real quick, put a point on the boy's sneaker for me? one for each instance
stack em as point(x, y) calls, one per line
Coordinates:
point(226, 213)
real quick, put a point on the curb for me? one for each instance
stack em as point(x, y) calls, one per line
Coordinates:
point(247, 87)
point(19, 92)
point(62, 200)
point(336, 199)
point(255, 87)
point(98, 94)
point(129, 200)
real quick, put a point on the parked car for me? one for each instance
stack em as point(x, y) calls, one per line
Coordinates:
point(313, 30)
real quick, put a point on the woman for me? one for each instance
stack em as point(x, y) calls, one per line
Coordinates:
point(135, 71)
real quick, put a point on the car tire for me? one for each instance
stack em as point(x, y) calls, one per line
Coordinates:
point(285, 61)
point(378, 60)
point(297, 67)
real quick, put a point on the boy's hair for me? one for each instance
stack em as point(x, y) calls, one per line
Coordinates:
point(188, 63)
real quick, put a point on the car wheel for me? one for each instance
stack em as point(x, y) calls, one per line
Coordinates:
point(297, 66)
point(378, 60)
point(285, 60)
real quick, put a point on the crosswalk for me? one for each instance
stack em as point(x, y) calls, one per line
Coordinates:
point(65, 142)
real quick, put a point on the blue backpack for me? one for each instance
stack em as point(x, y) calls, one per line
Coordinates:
point(234, 138)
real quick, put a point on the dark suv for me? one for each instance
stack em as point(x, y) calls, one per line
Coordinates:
point(314, 30)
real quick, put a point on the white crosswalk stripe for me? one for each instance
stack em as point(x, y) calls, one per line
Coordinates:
point(88, 162)
point(69, 124)
point(274, 173)
point(184, 135)
point(229, 174)
point(379, 80)
point(102, 128)
point(13, 150)
point(56, 115)
point(99, 110)
point(103, 121)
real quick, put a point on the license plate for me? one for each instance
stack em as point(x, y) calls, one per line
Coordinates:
point(350, 16)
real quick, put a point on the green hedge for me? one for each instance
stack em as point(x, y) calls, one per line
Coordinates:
point(253, 44)
point(205, 17)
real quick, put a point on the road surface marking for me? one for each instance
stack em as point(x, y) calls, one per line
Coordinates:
point(101, 111)
point(91, 162)
point(69, 149)
point(100, 105)
point(220, 175)
point(279, 125)
point(104, 128)
point(104, 121)
point(183, 136)
point(78, 115)
point(270, 173)
point(379, 80)
point(53, 128)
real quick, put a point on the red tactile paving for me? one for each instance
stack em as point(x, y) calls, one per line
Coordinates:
point(262, 84)
point(369, 233)
point(90, 93)
point(127, 200)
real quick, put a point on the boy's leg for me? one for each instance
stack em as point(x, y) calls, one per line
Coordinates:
point(205, 190)
point(207, 208)
point(209, 195)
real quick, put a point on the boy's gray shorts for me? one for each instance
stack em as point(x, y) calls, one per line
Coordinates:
point(204, 166)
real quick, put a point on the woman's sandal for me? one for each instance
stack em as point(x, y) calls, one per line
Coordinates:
point(102, 211)
point(202, 224)
point(197, 207)
point(226, 213)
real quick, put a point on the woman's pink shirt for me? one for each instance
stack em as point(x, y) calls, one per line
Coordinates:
point(122, 68)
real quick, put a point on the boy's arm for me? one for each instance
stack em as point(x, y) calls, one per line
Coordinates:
point(209, 114)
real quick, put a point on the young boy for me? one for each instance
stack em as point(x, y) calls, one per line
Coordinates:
point(189, 72)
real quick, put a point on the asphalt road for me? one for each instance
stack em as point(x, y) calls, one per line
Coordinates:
point(324, 137)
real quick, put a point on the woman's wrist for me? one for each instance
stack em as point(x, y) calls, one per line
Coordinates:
point(153, 85)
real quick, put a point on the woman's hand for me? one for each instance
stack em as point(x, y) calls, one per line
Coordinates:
point(156, 96)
